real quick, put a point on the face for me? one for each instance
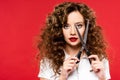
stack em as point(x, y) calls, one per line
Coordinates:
point(69, 30)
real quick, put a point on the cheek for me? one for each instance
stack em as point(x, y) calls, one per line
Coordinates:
point(65, 33)
point(82, 31)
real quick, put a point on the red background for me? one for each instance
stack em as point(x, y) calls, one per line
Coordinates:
point(20, 22)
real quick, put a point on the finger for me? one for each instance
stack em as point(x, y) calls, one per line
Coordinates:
point(75, 59)
point(95, 62)
point(97, 67)
point(72, 58)
point(71, 65)
point(71, 61)
point(93, 58)
point(69, 69)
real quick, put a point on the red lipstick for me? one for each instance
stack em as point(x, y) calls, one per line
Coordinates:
point(73, 39)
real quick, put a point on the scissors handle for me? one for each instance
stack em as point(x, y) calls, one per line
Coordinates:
point(78, 56)
point(88, 52)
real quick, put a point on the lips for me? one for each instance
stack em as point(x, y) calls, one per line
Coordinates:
point(73, 39)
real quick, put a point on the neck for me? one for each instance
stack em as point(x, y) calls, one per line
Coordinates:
point(71, 50)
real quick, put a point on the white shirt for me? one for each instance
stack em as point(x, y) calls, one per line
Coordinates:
point(81, 73)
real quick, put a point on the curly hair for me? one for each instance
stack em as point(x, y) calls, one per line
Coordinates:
point(52, 41)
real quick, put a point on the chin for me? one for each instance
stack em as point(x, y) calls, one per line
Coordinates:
point(74, 44)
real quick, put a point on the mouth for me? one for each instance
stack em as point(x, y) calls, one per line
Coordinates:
point(73, 39)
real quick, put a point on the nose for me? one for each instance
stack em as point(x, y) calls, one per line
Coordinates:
point(73, 31)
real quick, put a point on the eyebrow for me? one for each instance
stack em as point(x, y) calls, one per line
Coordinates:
point(78, 22)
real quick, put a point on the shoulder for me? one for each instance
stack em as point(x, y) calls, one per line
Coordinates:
point(46, 70)
point(105, 60)
point(45, 63)
point(107, 69)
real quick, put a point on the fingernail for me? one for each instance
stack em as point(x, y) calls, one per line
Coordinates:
point(91, 70)
point(77, 62)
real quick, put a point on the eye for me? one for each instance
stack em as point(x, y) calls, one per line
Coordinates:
point(79, 26)
point(66, 26)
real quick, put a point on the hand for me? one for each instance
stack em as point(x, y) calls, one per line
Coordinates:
point(97, 66)
point(69, 65)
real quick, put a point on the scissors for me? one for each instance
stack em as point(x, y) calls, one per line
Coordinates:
point(83, 42)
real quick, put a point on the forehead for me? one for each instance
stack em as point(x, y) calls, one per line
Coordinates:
point(74, 17)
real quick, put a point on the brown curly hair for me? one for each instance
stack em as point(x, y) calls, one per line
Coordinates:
point(52, 42)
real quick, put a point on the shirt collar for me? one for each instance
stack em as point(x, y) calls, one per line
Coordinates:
point(67, 55)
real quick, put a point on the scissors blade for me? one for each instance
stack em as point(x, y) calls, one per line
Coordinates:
point(83, 41)
point(81, 50)
point(79, 35)
point(86, 32)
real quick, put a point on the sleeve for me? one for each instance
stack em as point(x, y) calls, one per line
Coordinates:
point(107, 71)
point(45, 70)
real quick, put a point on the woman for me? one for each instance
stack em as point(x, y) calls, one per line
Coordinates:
point(60, 44)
